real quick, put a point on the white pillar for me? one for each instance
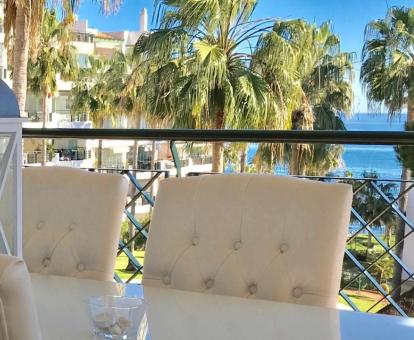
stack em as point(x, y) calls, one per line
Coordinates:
point(143, 20)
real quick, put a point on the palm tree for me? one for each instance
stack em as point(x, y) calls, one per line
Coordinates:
point(200, 73)
point(387, 73)
point(56, 58)
point(90, 95)
point(23, 20)
point(101, 92)
point(304, 65)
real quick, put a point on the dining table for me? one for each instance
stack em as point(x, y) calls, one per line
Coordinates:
point(184, 315)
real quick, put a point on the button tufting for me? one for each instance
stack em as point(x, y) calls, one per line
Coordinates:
point(253, 289)
point(81, 267)
point(237, 245)
point(166, 280)
point(72, 226)
point(209, 283)
point(46, 262)
point(40, 225)
point(297, 292)
point(195, 241)
point(284, 248)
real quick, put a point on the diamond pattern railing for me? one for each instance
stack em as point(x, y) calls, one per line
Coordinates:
point(375, 209)
point(140, 189)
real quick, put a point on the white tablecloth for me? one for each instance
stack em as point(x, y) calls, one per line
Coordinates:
point(179, 315)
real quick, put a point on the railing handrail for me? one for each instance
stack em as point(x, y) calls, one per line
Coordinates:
point(250, 136)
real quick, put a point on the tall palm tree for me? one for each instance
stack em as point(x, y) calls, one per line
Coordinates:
point(304, 65)
point(387, 73)
point(56, 59)
point(200, 74)
point(23, 19)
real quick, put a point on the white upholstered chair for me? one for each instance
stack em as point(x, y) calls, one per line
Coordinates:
point(259, 236)
point(18, 316)
point(71, 221)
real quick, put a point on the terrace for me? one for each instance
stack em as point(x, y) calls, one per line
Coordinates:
point(205, 176)
point(368, 268)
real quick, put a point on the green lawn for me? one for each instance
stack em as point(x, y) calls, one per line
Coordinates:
point(122, 262)
point(360, 242)
point(364, 301)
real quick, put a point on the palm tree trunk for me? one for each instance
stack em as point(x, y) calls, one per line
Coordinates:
point(296, 166)
point(369, 242)
point(99, 156)
point(21, 56)
point(218, 147)
point(44, 121)
point(243, 161)
point(400, 228)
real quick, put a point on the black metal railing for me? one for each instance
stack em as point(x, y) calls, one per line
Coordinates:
point(373, 252)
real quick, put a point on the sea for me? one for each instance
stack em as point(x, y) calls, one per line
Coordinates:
point(358, 159)
point(379, 158)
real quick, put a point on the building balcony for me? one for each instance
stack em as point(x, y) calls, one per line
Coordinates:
point(373, 252)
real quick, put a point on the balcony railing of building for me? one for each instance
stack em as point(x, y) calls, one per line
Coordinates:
point(377, 277)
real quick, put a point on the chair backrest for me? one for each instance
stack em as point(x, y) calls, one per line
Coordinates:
point(262, 236)
point(18, 315)
point(71, 221)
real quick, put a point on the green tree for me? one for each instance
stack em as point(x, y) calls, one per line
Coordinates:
point(56, 59)
point(200, 74)
point(97, 92)
point(23, 20)
point(387, 73)
point(304, 66)
point(405, 153)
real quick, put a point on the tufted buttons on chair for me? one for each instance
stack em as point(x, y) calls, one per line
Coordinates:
point(237, 245)
point(252, 227)
point(209, 283)
point(253, 288)
point(195, 241)
point(46, 262)
point(297, 292)
point(166, 280)
point(72, 206)
point(81, 267)
point(283, 248)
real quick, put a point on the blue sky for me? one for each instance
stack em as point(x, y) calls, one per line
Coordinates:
point(348, 17)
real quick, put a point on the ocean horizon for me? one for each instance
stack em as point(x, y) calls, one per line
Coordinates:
point(379, 158)
point(357, 159)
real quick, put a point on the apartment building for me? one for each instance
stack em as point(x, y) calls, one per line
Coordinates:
point(88, 41)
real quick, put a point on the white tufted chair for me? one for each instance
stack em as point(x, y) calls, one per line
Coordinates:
point(71, 221)
point(266, 237)
point(18, 316)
